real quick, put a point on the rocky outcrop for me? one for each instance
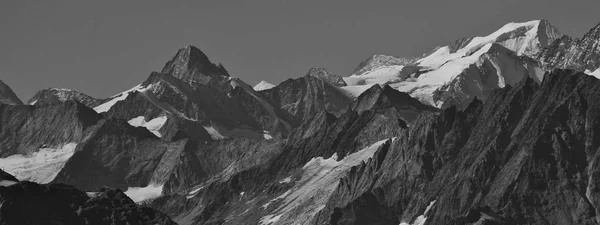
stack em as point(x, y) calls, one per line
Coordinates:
point(54, 95)
point(31, 203)
point(7, 96)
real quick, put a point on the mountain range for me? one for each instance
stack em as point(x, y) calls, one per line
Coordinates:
point(496, 129)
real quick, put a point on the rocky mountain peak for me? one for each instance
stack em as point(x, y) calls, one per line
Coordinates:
point(7, 96)
point(324, 75)
point(190, 63)
point(547, 33)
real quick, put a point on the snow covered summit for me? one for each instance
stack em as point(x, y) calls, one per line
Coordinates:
point(263, 85)
point(526, 38)
point(468, 68)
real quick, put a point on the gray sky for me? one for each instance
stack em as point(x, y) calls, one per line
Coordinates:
point(104, 47)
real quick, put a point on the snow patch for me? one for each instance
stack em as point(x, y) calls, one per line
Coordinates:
point(270, 219)
point(104, 107)
point(285, 180)
point(153, 125)
point(214, 134)
point(267, 135)
point(194, 192)
point(265, 206)
point(263, 85)
point(41, 166)
point(6, 183)
point(420, 220)
point(139, 194)
point(595, 74)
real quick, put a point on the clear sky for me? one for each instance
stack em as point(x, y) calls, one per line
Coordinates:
point(104, 47)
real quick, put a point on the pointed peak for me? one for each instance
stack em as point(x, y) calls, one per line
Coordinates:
point(190, 63)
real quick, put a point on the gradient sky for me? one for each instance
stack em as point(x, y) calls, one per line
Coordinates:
point(104, 47)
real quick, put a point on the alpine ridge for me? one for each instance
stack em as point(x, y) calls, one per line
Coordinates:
point(497, 129)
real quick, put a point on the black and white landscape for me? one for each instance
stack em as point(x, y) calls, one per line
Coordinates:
point(503, 128)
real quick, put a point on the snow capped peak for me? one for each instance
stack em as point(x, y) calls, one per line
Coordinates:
point(263, 85)
point(525, 38)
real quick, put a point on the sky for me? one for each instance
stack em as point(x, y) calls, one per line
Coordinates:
point(104, 47)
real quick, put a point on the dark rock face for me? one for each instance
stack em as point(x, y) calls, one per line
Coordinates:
point(510, 160)
point(24, 129)
point(377, 97)
point(54, 95)
point(31, 203)
point(7, 96)
point(579, 54)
